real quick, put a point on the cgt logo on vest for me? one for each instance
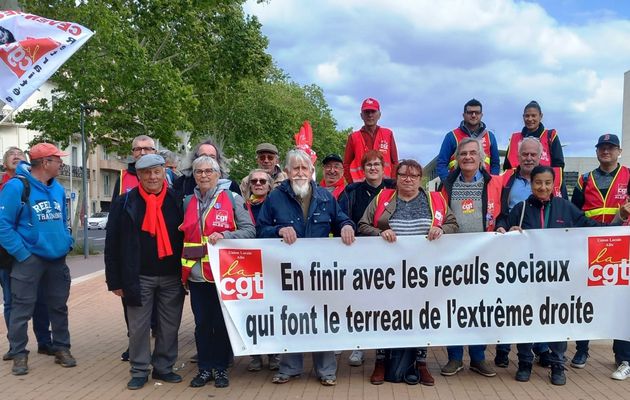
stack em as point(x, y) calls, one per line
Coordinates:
point(608, 260)
point(241, 274)
point(221, 219)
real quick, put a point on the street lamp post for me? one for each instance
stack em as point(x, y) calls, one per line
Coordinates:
point(84, 108)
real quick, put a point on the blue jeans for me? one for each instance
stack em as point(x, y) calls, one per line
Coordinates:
point(621, 348)
point(581, 346)
point(476, 352)
point(41, 323)
point(525, 353)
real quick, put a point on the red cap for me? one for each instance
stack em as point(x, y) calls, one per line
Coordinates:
point(43, 150)
point(370, 104)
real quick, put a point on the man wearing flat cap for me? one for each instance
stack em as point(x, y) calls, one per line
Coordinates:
point(142, 264)
point(268, 160)
point(36, 234)
point(333, 180)
point(371, 136)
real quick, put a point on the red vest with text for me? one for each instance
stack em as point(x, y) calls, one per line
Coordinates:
point(218, 218)
point(437, 205)
point(340, 185)
point(382, 142)
point(598, 207)
point(557, 179)
point(546, 138)
point(485, 143)
point(128, 181)
point(493, 207)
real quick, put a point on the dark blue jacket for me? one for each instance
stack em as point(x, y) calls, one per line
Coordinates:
point(561, 214)
point(281, 208)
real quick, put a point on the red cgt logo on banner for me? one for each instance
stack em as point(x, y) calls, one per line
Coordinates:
point(241, 274)
point(20, 56)
point(608, 260)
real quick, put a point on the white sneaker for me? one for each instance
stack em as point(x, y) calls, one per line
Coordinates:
point(622, 372)
point(356, 358)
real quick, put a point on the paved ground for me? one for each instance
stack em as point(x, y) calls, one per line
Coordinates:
point(97, 329)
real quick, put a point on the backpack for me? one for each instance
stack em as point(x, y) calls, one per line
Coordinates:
point(400, 365)
point(6, 259)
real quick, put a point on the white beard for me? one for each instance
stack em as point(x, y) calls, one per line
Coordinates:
point(300, 188)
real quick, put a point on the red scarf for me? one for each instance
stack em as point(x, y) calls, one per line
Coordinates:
point(154, 222)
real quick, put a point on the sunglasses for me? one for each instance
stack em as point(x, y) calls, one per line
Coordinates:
point(258, 181)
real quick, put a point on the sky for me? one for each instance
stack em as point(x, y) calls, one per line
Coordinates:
point(423, 60)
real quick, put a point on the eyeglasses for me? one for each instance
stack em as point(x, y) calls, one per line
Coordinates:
point(473, 112)
point(373, 165)
point(139, 149)
point(208, 171)
point(258, 181)
point(267, 157)
point(412, 177)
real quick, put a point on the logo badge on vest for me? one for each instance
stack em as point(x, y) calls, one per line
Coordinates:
point(241, 274)
point(608, 260)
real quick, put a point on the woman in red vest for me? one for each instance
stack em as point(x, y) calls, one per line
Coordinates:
point(407, 210)
point(211, 213)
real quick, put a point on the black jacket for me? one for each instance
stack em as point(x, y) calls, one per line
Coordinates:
point(357, 196)
point(562, 214)
point(122, 242)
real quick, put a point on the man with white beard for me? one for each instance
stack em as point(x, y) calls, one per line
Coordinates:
point(298, 209)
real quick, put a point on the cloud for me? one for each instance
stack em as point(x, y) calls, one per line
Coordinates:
point(423, 60)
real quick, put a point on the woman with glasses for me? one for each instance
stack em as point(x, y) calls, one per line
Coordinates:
point(211, 213)
point(407, 210)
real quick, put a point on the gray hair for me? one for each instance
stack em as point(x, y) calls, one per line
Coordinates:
point(141, 138)
point(465, 141)
point(222, 162)
point(300, 155)
point(7, 153)
point(169, 156)
point(205, 160)
point(532, 139)
point(247, 190)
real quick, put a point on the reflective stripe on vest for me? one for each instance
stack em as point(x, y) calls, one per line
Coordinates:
point(382, 143)
point(218, 218)
point(459, 134)
point(437, 205)
point(604, 209)
point(545, 140)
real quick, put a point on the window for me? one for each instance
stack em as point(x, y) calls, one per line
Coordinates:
point(75, 156)
point(106, 188)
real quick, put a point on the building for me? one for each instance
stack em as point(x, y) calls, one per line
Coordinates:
point(625, 124)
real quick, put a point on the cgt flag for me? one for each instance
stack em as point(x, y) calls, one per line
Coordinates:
point(32, 48)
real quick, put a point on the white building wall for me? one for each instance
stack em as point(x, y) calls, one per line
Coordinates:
point(625, 124)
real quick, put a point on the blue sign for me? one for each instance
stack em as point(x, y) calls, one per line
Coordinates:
point(73, 195)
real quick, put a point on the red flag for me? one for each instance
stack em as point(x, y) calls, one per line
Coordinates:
point(304, 140)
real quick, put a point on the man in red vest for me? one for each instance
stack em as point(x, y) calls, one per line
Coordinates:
point(333, 175)
point(128, 179)
point(600, 193)
point(369, 137)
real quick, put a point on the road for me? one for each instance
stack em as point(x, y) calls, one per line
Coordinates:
point(96, 239)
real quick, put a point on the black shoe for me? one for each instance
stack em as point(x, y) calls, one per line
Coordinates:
point(65, 359)
point(7, 357)
point(203, 376)
point(221, 378)
point(137, 383)
point(502, 360)
point(20, 364)
point(125, 355)
point(557, 375)
point(524, 371)
point(544, 359)
point(170, 377)
point(46, 349)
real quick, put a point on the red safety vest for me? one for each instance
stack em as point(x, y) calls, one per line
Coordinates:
point(218, 218)
point(546, 138)
point(459, 134)
point(340, 185)
point(493, 208)
point(557, 180)
point(437, 205)
point(382, 142)
point(128, 181)
point(598, 207)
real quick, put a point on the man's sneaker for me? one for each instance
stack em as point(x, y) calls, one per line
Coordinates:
point(169, 377)
point(20, 364)
point(329, 380)
point(579, 359)
point(255, 364)
point(221, 378)
point(452, 367)
point(557, 375)
point(544, 359)
point(65, 359)
point(483, 368)
point(46, 349)
point(425, 376)
point(137, 382)
point(524, 371)
point(203, 376)
point(622, 372)
point(356, 358)
point(274, 362)
point(502, 359)
point(378, 375)
point(125, 355)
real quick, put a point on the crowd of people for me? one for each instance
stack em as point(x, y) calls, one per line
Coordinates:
point(161, 222)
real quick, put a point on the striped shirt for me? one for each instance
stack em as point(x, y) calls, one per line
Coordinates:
point(411, 217)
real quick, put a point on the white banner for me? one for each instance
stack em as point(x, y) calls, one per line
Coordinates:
point(318, 294)
point(32, 48)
